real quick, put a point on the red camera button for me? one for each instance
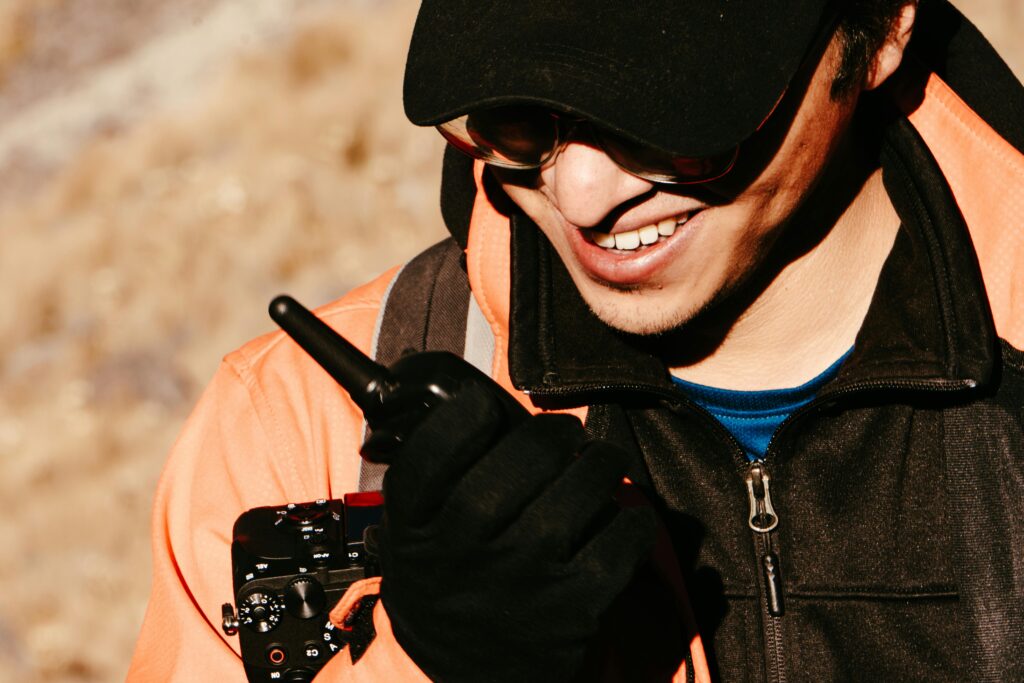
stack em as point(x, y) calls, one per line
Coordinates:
point(277, 655)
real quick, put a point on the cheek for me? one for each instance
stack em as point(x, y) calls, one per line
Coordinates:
point(756, 228)
point(784, 185)
point(528, 198)
point(535, 203)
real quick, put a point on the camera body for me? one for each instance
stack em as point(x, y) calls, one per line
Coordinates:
point(291, 564)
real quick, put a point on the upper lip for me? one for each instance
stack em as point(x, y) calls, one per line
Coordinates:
point(634, 223)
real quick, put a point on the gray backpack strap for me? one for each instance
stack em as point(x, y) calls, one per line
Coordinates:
point(428, 307)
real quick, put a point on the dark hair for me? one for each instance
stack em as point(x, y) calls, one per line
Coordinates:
point(863, 26)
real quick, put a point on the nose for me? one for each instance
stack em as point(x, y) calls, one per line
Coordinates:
point(587, 185)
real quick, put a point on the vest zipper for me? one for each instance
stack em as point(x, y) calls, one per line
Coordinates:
point(762, 520)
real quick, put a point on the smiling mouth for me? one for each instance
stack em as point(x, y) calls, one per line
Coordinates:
point(632, 240)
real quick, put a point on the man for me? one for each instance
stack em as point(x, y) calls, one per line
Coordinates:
point(743, 241)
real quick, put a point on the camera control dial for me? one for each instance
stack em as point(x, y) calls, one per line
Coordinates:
point(304, 598)
point(260, 611)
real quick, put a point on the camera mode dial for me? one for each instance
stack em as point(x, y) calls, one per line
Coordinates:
point(302, 514)
point(260, 611)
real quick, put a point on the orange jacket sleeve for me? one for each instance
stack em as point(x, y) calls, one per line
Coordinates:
point(270, 428)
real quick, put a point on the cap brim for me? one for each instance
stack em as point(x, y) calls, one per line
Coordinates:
point(691, 78)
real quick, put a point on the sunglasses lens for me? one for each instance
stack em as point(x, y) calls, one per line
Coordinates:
point(661, 167)
point(526, 136)
point(513, 137)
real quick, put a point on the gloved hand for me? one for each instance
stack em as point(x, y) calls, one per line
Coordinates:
point(501, 546)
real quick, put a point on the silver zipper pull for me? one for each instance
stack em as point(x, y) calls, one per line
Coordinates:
point(772, 583)
point(762, 515)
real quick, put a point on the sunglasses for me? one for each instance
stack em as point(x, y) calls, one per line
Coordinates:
point(527, 137)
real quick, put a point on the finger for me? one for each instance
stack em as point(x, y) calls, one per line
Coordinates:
point(439, 451)
point(564, 515)
point(613, 554)
point(519, 468)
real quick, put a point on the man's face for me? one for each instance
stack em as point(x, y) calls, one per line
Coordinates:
point(723, 230)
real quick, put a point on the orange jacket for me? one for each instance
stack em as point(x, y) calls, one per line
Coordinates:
point(272, 427)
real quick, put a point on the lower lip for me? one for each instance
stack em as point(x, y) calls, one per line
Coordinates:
point(624, 268)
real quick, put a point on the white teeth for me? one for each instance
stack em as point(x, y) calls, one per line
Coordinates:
point(648, 234)
point(627, 240)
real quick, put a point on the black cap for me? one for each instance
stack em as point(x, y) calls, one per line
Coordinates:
point(690, 77)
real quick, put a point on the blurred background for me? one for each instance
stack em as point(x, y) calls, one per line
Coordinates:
point(166, 168)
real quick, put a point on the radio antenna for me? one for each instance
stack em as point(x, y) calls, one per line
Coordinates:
point(365, 381)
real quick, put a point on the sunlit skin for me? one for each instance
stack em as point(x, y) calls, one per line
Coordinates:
point(778, 260)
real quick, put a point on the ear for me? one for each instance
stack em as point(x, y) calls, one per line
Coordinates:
point(889, 56)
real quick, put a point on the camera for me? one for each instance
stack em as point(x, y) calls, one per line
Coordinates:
point(291, 564)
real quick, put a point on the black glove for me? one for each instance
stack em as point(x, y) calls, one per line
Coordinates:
point(501, 546)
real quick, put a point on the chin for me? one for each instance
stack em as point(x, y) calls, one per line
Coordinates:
point(635, 313)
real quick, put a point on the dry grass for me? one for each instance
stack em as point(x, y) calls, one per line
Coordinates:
point(150, 255)
point(15, 36)
point(153, 252)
